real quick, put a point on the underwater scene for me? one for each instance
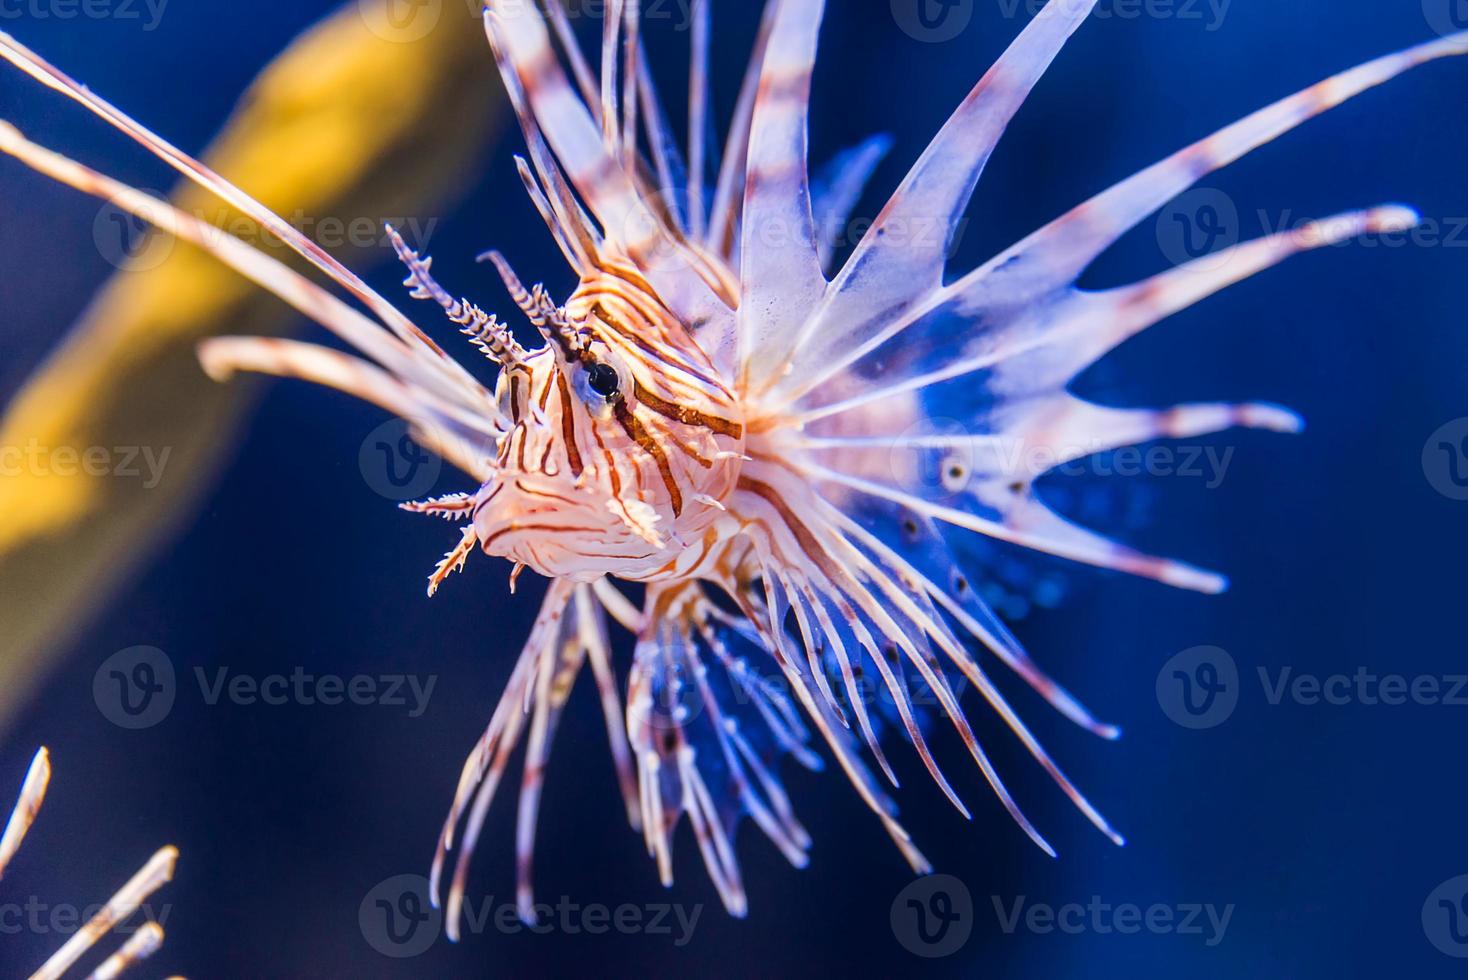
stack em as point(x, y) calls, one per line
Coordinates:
point(538, 488)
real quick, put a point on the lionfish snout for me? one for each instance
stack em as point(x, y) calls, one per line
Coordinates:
point(562, 529)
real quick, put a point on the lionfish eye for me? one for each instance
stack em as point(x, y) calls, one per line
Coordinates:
point(603, 379)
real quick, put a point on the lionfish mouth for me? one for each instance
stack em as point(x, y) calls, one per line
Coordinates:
point(561, 533)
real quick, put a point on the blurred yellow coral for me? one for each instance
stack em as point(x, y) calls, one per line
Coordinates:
point(353, 119)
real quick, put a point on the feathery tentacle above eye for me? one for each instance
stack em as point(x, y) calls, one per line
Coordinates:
point(492, 338)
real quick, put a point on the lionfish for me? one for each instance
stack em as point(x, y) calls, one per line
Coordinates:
point(760, 466)
point(142, 943)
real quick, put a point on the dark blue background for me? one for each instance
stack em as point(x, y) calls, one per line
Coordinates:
point(1326, 827)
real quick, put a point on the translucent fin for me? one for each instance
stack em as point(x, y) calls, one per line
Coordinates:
point(700, 31)
point(547, 103)
point(1058, 253)
point(672, 175)
point(1039, 272)
point(708, 735)
point(1007, 385)
point(900, 260)
point(780, 264)
point(1121, 313)
point(724, 219)
point(916, 540)
point(486, 764)
point(580, 69)
point(838, 188)
point(886, 605)
point(1004, 385)
point(569, 631)
point(1032, 525)
point(611, 23)
point(592, 627)
point(557, 673)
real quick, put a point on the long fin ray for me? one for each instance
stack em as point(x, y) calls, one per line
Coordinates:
point(1044, 266)
point(779, 261)
point(901, 259)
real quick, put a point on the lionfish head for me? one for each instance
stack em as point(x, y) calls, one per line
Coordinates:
point(620, 439)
